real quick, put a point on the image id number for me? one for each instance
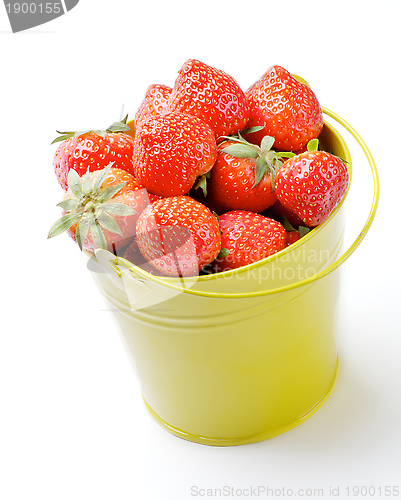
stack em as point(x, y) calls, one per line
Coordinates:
point(370, 491)
point(33, 8)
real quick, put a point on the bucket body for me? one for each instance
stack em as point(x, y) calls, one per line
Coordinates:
point(239, 370)
point(247, 354)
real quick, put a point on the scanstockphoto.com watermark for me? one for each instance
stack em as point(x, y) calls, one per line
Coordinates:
point(260, 491)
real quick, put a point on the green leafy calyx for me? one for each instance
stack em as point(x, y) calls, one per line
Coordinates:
point(116, 127)
point(201, 182)
point(267, 160)
point(287, 225)
point(91, 209)
point(303, 230)
point(224, 252)
point(313, 145)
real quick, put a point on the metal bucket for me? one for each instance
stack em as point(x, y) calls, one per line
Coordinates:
point(240, 356)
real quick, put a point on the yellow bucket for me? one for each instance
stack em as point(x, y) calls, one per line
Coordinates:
point(240, 356)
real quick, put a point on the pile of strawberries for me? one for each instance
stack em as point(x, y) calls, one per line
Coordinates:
point(206, 178)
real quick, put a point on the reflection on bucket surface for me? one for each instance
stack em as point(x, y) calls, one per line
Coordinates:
point(240, 356)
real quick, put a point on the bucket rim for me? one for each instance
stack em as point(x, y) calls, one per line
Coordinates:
point(138, 273)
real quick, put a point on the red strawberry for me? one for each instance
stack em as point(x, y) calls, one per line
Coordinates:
point(178, 236)
point(101, 209)
point(243, 175)
point(287, 109)
point(171, 151)
point(291, 237)
point(94, 149)
point(312, 185)
point(278, 211)
point(247, 237)
point(154, 103)
point(211, 95)
point(154, 197)
point(302, 150)
point(198, 194)
point(133, 255)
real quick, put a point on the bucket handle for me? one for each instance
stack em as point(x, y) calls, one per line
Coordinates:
point(138, 273)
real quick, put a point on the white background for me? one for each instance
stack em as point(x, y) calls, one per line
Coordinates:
point(72, 421)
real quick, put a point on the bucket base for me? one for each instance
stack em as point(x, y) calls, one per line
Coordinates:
point(249, 439)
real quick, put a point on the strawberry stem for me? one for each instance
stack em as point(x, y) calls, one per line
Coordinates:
point(90, 209)
point(267, 159)
point(115, 128)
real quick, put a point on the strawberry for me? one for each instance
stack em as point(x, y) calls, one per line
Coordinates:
point(212, 95)
point(247, 237)
point(278, 211)
point(243, 175)
point(286, 108)
point(178, 236)
point(171, 151)
point(94, 149)
point(133, 255)
point(154, 103)
point(292, 237)
point(312, 184)
point(101, 208)
point(200, 196)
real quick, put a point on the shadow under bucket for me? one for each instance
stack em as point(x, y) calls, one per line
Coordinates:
point(240, 356)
